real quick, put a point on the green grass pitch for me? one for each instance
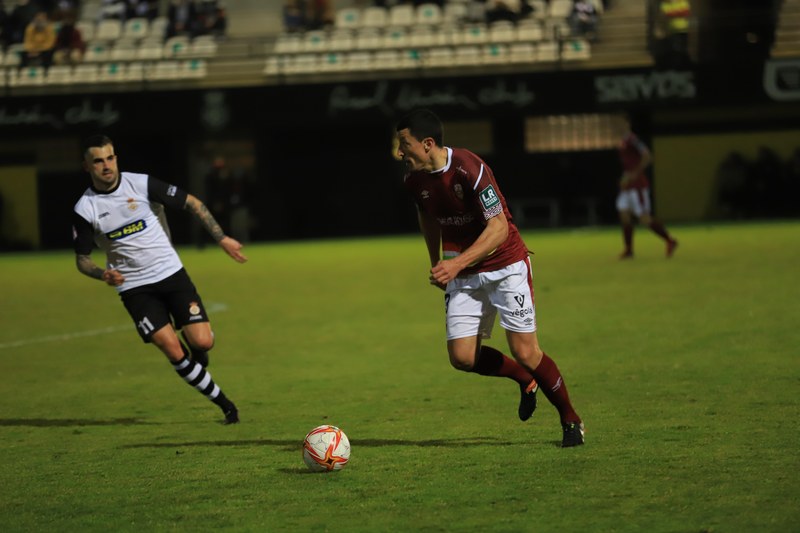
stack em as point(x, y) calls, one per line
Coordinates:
point(686, 372)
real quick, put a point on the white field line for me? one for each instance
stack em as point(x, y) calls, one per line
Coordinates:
point(212, 308)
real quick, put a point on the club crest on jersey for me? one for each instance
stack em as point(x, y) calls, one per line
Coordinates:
point(459, 191)
point(425, 195)
point(125, 231)
point(489, 198)
point(132, 205)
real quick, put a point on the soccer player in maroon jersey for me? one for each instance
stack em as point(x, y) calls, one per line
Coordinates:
point(633, 199)
point(483, 266)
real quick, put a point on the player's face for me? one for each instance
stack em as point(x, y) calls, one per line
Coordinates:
point(101, 164)
point(413, 152)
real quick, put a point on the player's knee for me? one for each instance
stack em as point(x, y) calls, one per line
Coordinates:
point(463, 362)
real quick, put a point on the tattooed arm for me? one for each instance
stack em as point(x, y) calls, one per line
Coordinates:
point(88, 267)
point(231, 246)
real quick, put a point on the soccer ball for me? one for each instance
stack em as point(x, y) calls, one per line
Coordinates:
point(326, 448)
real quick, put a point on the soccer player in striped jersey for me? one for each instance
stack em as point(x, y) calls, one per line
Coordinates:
point(633, 200)
point(479, 259)
point(122, 213)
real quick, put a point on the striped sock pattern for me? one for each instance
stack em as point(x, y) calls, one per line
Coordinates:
point(198, 377)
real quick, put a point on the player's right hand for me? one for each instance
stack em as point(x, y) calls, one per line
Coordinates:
point(113, 277)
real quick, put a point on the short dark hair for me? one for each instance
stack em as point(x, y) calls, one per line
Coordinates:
point(423, 123)
point(94, 141)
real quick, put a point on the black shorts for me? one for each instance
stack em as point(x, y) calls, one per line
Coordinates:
point(173, 300)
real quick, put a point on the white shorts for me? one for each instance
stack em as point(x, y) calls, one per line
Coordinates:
point(472, 302)
point(637, 201)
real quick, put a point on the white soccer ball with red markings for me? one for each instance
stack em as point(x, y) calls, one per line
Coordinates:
point(326, 448)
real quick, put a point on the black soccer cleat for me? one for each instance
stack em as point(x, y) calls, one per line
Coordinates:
point(527, 400)
point(573, 434)
point(231, 416)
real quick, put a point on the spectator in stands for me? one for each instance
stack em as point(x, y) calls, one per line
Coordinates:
point(320, 14)
point(70, 46)
point(583, 20)
point(509, 10)
point(294, 16)
point(4, 18)
point(113, 9)
point(39, 42)
point(182, 15)
point(63, 10)
point(671, 31)
point(143, 9)
point(20, 17)
point(211, 19)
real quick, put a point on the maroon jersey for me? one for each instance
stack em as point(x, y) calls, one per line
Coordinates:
point(462, 197)
point(631, 149)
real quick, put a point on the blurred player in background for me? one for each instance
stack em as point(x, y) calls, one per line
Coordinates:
point(633, 199)
point(121, 213)
point(485, 266)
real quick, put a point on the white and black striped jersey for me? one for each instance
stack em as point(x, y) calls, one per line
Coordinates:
point(125, 224)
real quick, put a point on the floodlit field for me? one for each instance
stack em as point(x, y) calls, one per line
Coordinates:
point(686, 372)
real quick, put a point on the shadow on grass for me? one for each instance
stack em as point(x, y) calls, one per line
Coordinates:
point(295, 444)
point(70, 422)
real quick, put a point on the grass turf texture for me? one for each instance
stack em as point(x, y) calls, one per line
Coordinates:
point(684, 370)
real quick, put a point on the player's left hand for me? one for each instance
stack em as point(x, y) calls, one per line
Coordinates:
point(233, 248)
point(445, 271)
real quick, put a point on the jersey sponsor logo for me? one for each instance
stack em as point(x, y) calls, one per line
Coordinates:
point(132, 205)
point(194, 308)
point(459, 191)
point(489, 198)
point(520, 299)
point(425, 195)
point(462, 220)
point(127, 230)
point(104, 215)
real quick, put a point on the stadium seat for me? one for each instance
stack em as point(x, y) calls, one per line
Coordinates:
point(576, 49)
point(136, 28)
point(27, 76)
point(158, 28)
point(472, 34)
point(422, 37)
point(315, 41)
point(469, 55)
point(368, 39)
point(108, 29)
point(87, 29)
point(124, 50)
point(396, 37)
point(332, 62)
point(150, 50)
point(176, 47)
point(359, 61)
point(442, 56)
point(560, 9)
point(401, 15)
point(540, 9)
point(288, 43)
point(529, 31)
point(86, 73)
point(13, 56)
point(502, 31)
point(341, 40)
point(428, 13)
point(374, 17)
point(203, 46)
point(272, 66)
point(194, 68)
point(348, 18)
point(547, 51)
point(164, 70)
point(522, 52)
point(97, 51)
point(391, 60)
point(134, 71)
point(301, 64)
point(454, 13)
point(495, 54)
point(111, 73)
point(59, 75)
